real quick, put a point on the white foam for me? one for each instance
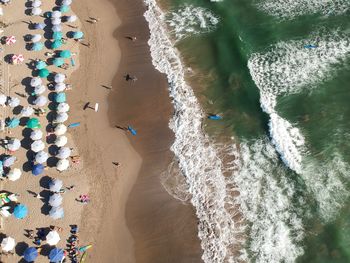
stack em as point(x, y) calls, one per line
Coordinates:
point(293, 8)
point(189, 20)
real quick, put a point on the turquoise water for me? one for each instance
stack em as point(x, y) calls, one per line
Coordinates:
point(318, 108)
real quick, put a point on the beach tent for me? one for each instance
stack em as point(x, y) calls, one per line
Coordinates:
point(17, 59)
point(30, 254)
point(13, 102)
point(59, 78)
point(55, 200)
point(66, 2)
point(44, 73)
point(56, 14)
point(14, 145)
point(64, 8)
point(36, 38)
point(37, 146)
point(3, 99)
point(36, 3)
point(13, 123)
point(41, 157)
point(7, 244)
point(56, 255)
point(56, 21)
point(72, 18)
point(39, 26)
point(27, 111)
point(62, 107)
point(35, 82)
point(60, 129)
point(37, 169)
point(61, 117)
point(10, 40)
point(36, 135)
point(57, 35)
point(39, 90)
point(60, 97)
point(56, 44)
point(58, 62)
point(36, 11)
point(40, 101)
point(55, 185)
point(8, 161)
point(78, 35)
point(64, 153)
point(37, 46)
point(61, 141)
point(40, 65)
point(14, 174)
point(62, 165)
point(33, 123)
point(20, 211)
point(56, 212)
point(65, 54)
point(53, 237)
point(56, 28)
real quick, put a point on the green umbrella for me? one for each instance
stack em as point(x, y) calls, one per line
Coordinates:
point(37, 46)
point(43, 73)
point(40, 64)
point(33, 123)
point(57, 35)
point(65, 54)
point(56, 44)
point(64, 8)
point(12, 123)
point(78, 34)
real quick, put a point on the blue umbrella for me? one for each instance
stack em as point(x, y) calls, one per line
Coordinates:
point(65, 54)
point(37, 169)
point(13, 123)
point(58, 62)
point(56, 44)
point(40, 26)
point(20, 211)
point(56, 255)
point(64, 8)
point(30, 254)
point(60, 97)
point(40, 65)
point(37, 46)
point(57, 35)
point(78, 34)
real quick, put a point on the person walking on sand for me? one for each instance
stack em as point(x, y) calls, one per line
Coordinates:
point(132, 38)
point(38, 196)
point(94, 20)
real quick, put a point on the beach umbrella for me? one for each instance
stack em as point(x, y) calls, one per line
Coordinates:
point(36, 11)
point(56, 44)
point(59, 87)
point(56, 255)
point(78, 35)
point(59, 78)
point(61, 141)
point(37, 169)
point(36, 135)
point(36, 38)
point(14, 145)
point(3, 99)
point(14, 174)
point(41, 157)
point(60, 97)
point(13, 102)
point(20, 211)
point(55, 185)
point(36, 3)
point(13, 123)
point(43, 73)
point(60, 129)
point(61, 117)
point(40, 65)
point(64, 8)
point(30, 254)
point(56, 28)
point(7, 244)
point(8, 161)
point(62, 107)
point(35, 82)
point(17, 59)
point(57, 35)
point(56, 14)
point(27, 111)
point(62, 165)
point(58, 62)
point(56, 21)
point(37, 146)
point(64, 153)
point(39, 90)
point(56, 212)
point(72, 18)
point(53, 237)
point(66, 2)
point(65, 54)
point(40, 101)
point(33, 123)
point(37, 46)
point(39, 26)
point(55, 200)
point(10, 40)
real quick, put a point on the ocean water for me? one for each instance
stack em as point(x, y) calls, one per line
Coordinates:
point(269, 182)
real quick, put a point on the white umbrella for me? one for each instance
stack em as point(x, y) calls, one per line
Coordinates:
point(56, 212)
point(36, 82)
point(8, 244)
point(14, 174)
point(3, 99)
point(62, 165)
point(56, 14)
point(57, 28)
point(4, 211)
point(53, 238)
point(59, 87)
point(66, 2)
point(56, 21)
point(36, 11)
point(61, 117)
point(40, 101)
point(72, 18)
point(13, 102)
point(61, 141)
point(59, 78)
point(56, 185)
point(39, 89)
point(36, 3)
point(36, 135)
point(37, 146)
point(60, 129)
point(14, 145)
point(8, 161)
point(62, 107)
point(41, 157)
point(64, 153)
point(36, 38)
point(13, 197)
point(55, 200)
point(27, 111)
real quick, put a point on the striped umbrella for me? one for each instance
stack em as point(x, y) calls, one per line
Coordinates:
point(10, 40)
point(17, 59)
